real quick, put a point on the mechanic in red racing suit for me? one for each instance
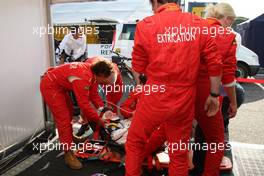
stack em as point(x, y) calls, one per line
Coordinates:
point(170, 59)
point(79, 78)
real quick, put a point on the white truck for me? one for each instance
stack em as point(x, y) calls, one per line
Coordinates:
point(247, 60)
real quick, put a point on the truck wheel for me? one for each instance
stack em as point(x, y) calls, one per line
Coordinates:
point(243, 70)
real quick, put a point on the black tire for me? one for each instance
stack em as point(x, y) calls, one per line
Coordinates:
point(243, 70)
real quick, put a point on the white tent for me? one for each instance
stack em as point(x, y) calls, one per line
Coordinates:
point(119, 10)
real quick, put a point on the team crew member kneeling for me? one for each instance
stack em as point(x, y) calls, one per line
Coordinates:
point(78, 77)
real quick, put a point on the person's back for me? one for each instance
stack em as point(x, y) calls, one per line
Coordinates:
point(175, 44)
point(63, 72)
point(212, 128)
point(226, 47)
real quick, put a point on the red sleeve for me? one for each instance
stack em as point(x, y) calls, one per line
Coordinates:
point(81, 91)
point(115, 95)
point(229, 62)
point(129, 106)
point(139, 54)
point(94, 96)
point(212, 57)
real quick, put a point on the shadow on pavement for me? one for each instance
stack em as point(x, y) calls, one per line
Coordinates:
point(254, 92)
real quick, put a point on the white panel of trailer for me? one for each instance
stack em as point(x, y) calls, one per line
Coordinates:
point(24, 56)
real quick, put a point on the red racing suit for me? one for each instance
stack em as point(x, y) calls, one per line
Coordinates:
point(213, 127)
point(54, 88)
point(129, 106)
point(170, 58)
point(114, 92)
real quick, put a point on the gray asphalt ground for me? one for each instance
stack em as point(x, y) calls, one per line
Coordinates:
point(248, 125)
point(247, 130)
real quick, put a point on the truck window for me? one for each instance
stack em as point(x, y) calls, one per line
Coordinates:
point(128, 32)
point(106, 33)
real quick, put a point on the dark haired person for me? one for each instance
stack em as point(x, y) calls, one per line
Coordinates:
point(171, 59)
point(73, 46)
point(79, 78)
point(112, 92)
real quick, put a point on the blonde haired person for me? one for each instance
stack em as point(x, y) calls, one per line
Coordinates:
point(219, 17)
point(223, 12)
point(226, 15)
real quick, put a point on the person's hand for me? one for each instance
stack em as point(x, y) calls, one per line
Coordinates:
point(109, 115)
point(62, 60)
point(232, 110)
point(211, 106)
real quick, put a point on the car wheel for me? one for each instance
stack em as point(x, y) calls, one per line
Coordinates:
point(243, 70)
